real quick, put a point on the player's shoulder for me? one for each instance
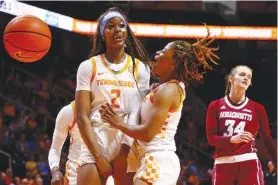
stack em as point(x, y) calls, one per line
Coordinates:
point(216, 102)
point(167, 90)
point(66, 110)
point(65, 115)
point(86, 64)
point(256, 104)
point(143, 67)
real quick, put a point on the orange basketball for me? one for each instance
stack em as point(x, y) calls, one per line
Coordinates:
point(27, 38)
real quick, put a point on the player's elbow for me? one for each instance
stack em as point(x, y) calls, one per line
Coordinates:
point(80, 119)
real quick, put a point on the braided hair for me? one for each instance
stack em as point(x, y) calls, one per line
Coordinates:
point(190, 57)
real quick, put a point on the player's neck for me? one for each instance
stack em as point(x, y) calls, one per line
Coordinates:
point(115, 55)
point(165, 78)
point(237, 96)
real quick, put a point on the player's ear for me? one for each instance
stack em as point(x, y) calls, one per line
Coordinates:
point(230, 78)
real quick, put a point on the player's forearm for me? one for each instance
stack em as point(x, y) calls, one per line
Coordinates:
point(136, 132)
point(215, 140)
point(54, 158)
point(271, 149)
point(59, 137)
point(88, 136)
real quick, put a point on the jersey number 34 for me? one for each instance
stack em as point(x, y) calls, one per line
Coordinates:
point(231, 129)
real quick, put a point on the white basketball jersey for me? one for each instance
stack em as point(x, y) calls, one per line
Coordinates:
point(65, 124)
point(164, 140)
point(75, 137)
point(115, 83)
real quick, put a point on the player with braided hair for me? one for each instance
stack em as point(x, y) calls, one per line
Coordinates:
point(232, 125)
point(175, 65)
point(117, 72)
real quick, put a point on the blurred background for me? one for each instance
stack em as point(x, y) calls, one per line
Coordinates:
point(31, 95)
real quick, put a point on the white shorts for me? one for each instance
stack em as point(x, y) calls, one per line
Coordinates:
point(109, 141)
point(110, 181)
point(159, 168)
point(71, 173)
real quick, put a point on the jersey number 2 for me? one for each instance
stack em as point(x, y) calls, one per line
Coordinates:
point(231, 130)
point(116, 93)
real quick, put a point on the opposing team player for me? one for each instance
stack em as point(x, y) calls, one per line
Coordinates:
point(116, 73)
point(232, 124)
point(176, 64)
point(65, 124)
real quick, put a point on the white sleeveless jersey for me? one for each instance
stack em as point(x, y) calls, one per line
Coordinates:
point(65, 124)
point(117, 85)
point(165, 139)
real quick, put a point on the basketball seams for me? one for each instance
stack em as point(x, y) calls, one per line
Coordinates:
point(28, 32)
point(23, 17)
point(5, 40)
point(27, 17)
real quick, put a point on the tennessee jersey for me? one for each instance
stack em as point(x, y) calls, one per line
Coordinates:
point(65, 124)
point(165, 139)
point(117, 84)
point(224, 120)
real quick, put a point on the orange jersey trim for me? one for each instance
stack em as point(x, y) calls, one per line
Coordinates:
point(74, 115)
point(137, 63)
point(182, 96)
point(116, 72)
point(94, 69)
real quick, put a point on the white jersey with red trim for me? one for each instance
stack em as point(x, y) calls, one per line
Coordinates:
point(115, 83)
point(165, 139)
point(65, 124)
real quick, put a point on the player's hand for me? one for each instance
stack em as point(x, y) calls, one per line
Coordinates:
point(104, 167)
point(244, 137)
point(110, 116)
point(271, 167)
point(57, 178)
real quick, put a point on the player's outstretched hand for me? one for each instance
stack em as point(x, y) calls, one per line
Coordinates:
point(244, 137)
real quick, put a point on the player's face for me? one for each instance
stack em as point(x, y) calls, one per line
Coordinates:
point(164, 61)
point(242, 77)
point(115, 33)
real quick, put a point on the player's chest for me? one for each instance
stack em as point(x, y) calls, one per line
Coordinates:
point(233, 121)
point(122, 79)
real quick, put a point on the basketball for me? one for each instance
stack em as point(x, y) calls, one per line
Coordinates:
point(27, 38)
